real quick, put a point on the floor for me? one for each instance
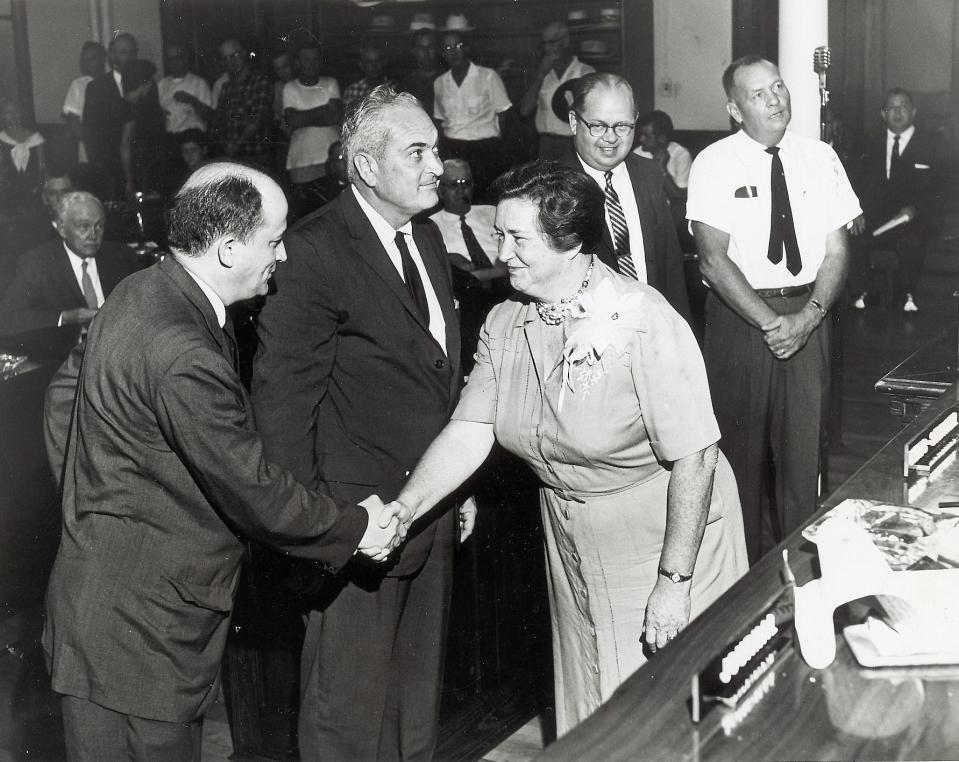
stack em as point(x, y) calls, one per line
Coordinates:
point(875, 341)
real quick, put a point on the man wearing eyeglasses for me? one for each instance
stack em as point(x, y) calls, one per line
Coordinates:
point(470, 102)
point(556, 66)
point(639, 239)
point(244, 109)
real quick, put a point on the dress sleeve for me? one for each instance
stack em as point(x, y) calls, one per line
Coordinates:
point(478, 398)
point(670, 381)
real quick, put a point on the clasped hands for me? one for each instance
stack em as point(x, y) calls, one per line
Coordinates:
point(389, 524)
point(787, 334)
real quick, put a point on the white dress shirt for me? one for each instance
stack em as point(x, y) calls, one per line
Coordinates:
point(729, 190)
point(904, 139)
point(387, 235)
point(180, 116)
point(627, 199)
point(215, 301)
point(480, 219)
point(546, 121)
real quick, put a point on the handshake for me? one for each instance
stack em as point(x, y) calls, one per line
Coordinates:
point(386, 529)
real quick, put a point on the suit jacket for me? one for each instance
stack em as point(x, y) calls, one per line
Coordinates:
point(664, 258)
point(349, 386)
point(104, 113)
point(164, 469)
point(919, 182)
point(44, 284)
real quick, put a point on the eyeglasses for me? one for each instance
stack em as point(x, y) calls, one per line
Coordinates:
point(457, 183)
point(451, 48)
point(598, 129)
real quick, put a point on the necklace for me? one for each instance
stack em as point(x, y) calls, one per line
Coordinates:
point(554, 313)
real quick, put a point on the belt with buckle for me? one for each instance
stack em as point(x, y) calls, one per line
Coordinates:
point(786, 291)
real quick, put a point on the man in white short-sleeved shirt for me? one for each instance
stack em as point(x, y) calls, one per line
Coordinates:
point(767, 337)
point(470, 102)
point(556, 66)
point(93, 58)
point(180, 90)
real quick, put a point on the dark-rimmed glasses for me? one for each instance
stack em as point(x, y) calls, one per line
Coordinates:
point(598, 129)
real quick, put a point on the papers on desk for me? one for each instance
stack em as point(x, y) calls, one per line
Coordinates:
point(920, 608)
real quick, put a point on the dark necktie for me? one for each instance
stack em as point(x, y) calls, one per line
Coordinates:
point(412, 277)
point(782, 231)
point(86, 283)
point(477, 255)
point(894, 158)
point(620, 232)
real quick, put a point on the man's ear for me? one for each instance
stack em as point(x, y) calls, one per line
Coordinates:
point(573, 122)
point(225, 251)
point(366, 167)
point(733, 110)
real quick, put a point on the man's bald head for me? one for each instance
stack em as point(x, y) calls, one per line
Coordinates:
point(219, 199)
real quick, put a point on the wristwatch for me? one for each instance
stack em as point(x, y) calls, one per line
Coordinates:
point(674, 576)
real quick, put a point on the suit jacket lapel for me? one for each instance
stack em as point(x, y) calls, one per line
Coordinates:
point(647, 218)
point(64, 273)
point(369, 247)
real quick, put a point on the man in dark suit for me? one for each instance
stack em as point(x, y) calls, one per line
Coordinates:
point(62, 283)
point(899, 177)
point(639, 238)
point(357, 370)
point(105, 111)
point(164, 470)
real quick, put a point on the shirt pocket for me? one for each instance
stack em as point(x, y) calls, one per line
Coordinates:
point(476, 104)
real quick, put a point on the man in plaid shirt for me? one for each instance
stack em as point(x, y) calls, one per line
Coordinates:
point(245, 108)
point(373, 66)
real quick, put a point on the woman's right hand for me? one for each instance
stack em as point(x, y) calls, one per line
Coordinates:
point(667, 612)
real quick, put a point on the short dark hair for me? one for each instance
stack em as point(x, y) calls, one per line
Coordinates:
point(124, 36)
point(192, 135)
point(571, 205)
point(899, 91)
point(93, 45)
point(660, 122)
point(203, 211)
point(583, 86)
point(730, 74)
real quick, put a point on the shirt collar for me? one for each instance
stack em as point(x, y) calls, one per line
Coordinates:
point(215, 301)
point(74, 256)
point(384, 230)
point(904, 137)
point(752, 144)
point(599, 175)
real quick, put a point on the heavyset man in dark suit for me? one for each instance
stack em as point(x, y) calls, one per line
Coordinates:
point(898, 175)
point(63, 282)
point(357, 371)
point(164, 470)
point(639, 238)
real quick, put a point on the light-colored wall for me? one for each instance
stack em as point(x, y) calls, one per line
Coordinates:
point(919, 45)
point(57, 29)
point(693, 46)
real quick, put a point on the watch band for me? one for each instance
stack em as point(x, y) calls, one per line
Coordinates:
point(674, 576)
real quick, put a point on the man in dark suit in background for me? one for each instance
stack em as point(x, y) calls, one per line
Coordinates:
point(164, 470)
point(899, 176)
point(63, 282)
point(104, 113)
point(358, 369)
point(639, 238)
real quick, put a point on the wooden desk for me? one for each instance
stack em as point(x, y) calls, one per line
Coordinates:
point(842, 712)
point(923, 376)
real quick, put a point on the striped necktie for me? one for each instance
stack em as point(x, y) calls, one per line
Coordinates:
point(620, 232)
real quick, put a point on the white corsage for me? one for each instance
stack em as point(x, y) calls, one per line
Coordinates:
point(603, 319)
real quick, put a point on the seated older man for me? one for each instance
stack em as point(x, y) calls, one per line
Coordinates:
point(61, 283)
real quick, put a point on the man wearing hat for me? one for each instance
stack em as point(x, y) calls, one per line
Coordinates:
point(470, 104)
point(556, 66)
point(419, 82)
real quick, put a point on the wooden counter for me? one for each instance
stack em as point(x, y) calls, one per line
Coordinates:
point(842, 712)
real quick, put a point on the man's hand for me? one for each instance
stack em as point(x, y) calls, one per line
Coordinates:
point(78, 315)
point(384, 532)
point(788, 333)
point(661, 157)
point(402, 513)
point(667, 612)
point(467, 517)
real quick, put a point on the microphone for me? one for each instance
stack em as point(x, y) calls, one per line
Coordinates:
point(821, 59)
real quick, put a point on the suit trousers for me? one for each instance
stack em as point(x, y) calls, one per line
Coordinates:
point(371, 671)
point(770, 414)
point(93, 733)
point(909, 244)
